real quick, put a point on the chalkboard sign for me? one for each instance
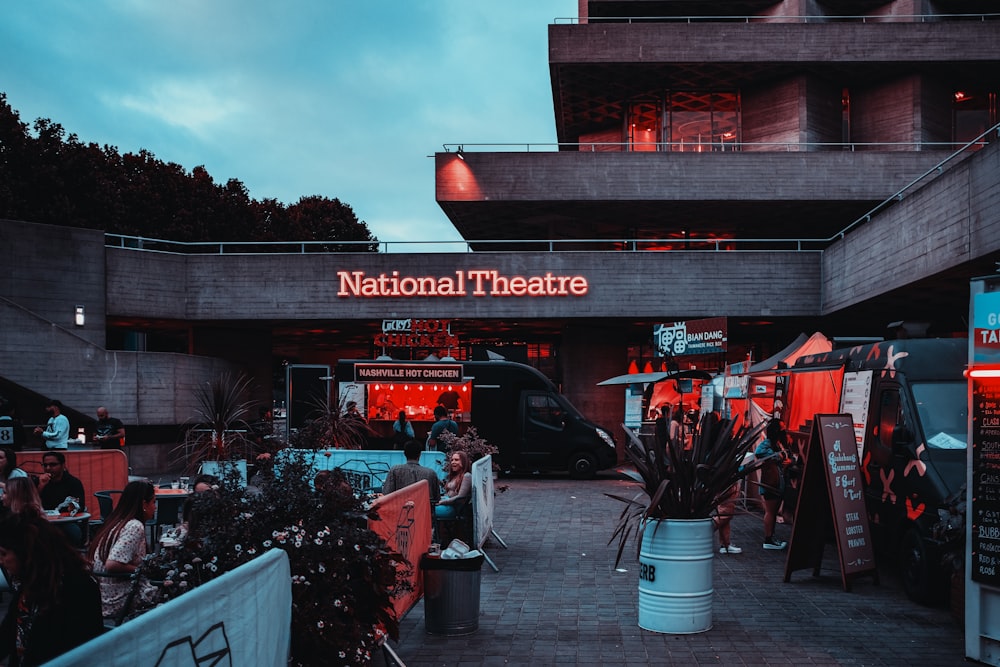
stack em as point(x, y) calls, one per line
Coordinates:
point(832, 503)
point(986, 480)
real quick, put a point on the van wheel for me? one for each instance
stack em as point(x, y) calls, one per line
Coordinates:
point(582, 465)
point(921, 578)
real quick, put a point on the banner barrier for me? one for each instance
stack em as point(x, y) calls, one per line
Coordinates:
point(482, 500)
point(374, 463)
point(97, 469)
point(405, 524)
point(242, 618)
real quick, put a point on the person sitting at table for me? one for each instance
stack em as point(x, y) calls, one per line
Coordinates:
point(21, 497)
point(457, 486)
point(203, 483)
point(56, 484)
point(121, 546)
point(8, 466)
point(411, 472)
point(56, 605)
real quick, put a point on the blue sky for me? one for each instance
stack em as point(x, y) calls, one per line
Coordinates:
point(293, 98)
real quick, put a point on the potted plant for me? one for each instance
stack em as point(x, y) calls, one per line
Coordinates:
point(683, 486)
point(330, 428)
point(220, 435)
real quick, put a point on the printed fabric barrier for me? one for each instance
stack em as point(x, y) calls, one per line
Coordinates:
point(405, 524)
point(98, 469)
point(482, 500)
point(370, 464)
point(242, 618)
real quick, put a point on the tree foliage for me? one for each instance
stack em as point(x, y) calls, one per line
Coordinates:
point(49, 176)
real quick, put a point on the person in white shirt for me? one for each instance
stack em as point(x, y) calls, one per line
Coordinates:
point(56, 432)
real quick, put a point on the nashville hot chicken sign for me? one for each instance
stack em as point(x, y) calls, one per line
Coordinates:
point(474, 282)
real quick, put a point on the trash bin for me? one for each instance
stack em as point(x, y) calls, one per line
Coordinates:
point(451, 594)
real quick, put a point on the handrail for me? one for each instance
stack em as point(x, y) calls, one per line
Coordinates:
point(711, 145)
point(687, 244)
point(776, 18)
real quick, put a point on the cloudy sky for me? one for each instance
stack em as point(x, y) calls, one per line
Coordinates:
point(293, 98)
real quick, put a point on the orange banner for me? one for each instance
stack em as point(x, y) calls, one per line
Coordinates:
point(97, 469)
point(405, 524)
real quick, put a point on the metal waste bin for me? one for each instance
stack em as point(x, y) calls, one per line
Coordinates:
point(451, 594)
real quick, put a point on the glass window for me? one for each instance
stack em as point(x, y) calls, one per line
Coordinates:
point(644, 125)
point(701, 121)
point(943, 408)
point(973, 112)
point(544, 409)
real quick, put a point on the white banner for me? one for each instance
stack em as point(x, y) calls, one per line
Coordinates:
point(482, 500)
point(242, 618)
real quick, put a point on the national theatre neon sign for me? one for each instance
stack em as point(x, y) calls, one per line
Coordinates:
point(476, 282)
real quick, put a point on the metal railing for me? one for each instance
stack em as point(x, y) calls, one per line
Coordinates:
point(687, 244)
point(780, 18)
point(706, 146)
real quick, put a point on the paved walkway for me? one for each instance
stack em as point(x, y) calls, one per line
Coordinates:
point(558, 600)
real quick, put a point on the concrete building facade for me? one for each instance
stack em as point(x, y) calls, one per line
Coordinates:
point(706, 167)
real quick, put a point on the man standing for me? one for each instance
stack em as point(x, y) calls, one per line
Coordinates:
point(411, 472)
point(451, 400)
point(110, 431)
point(56, 432)
point(441, 423)
point(56, 484)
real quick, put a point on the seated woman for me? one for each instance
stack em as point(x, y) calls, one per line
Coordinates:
point(21, 497)
point(8, 467)
point(121, 545)
point(457, 487)
point(56, 605)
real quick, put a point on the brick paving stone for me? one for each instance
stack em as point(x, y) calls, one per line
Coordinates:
point(558, 600)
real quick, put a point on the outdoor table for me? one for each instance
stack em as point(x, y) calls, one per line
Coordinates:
point(175, 493)
point(57, 517)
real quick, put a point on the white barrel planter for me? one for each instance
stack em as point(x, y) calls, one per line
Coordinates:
point(675, 576)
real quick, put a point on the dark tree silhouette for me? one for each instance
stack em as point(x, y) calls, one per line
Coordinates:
point(49, 177)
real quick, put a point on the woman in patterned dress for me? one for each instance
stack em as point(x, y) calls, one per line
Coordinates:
point(121, 546)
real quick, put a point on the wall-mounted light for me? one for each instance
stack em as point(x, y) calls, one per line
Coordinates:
point(459, 153)
point(79, 318)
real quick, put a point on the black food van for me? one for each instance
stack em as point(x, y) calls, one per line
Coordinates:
point(512, 406)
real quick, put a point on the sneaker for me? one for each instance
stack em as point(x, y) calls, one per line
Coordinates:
point(772, 543)
point(731, 549)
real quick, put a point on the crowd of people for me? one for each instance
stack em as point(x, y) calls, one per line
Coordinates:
point(64, 595)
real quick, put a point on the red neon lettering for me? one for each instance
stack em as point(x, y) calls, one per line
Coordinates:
point(484, 283)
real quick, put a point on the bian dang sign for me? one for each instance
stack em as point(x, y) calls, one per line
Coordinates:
point(474, 282)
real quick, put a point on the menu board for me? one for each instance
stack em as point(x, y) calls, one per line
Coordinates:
point(854, 400)
point(985, 514)
point(833, 498)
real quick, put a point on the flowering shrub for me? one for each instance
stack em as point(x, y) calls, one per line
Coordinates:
point(343, 574)
point(470, 443)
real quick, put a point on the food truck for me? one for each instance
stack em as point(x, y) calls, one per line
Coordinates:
point(908, 400)
point(512, 406)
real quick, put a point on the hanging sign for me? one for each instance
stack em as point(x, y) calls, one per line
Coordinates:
point(692, 337)
point(986, 328)
point(408, 372)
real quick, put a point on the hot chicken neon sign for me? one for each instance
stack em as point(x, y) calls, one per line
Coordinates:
point(475, 282)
